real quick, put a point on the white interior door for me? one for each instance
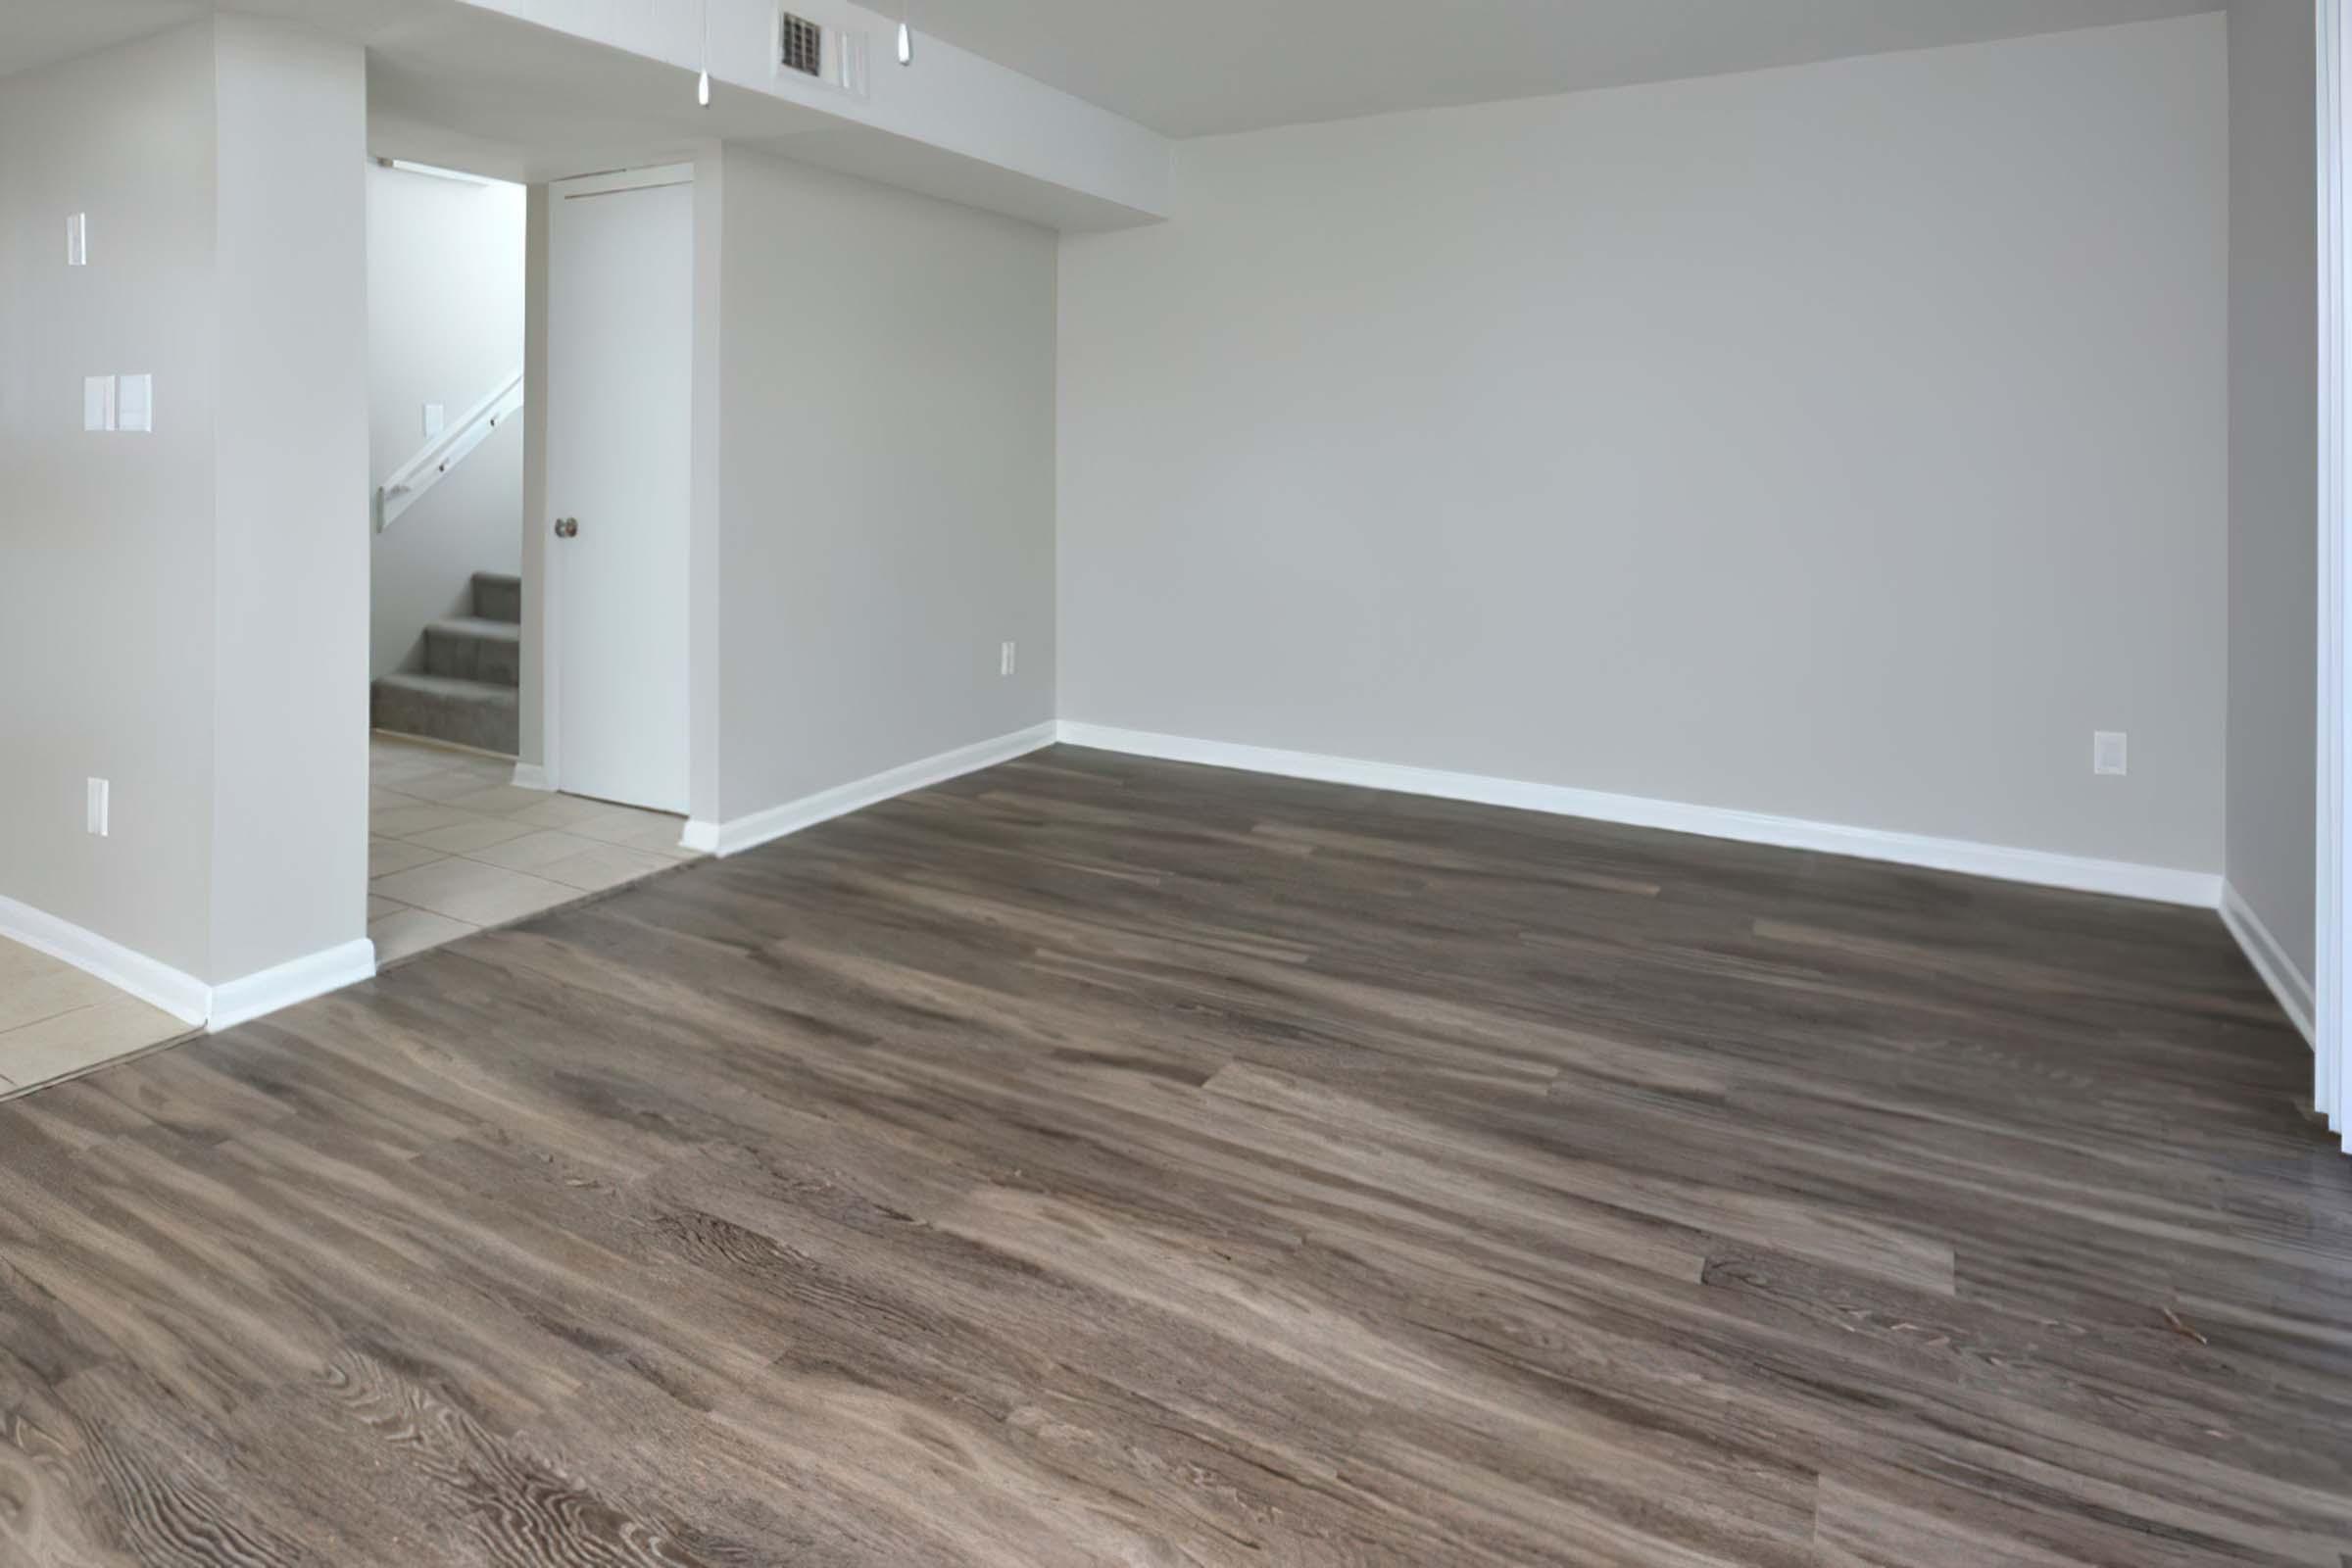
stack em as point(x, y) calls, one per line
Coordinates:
point(619, 434)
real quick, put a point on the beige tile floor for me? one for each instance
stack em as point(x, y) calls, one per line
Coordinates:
point(454, 847)
point(56, 1021)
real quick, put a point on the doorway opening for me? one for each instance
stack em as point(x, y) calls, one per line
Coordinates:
point(446, 303)
point(493, 639)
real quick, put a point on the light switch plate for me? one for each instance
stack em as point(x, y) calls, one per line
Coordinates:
point(435, 417)
point(78, 240)
point(99, 791)
point(97, 402)
point(135, 404)
point(2109, 752)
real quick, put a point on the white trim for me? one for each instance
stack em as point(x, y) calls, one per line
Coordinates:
point(437, 744)
point(2121, 878)
point(550, 591)
point(2331, 1084)
point(183, 995)
point(298, 980)
point(532, 776)
point(761, 827)
point(2269, 958)
point(159, 985)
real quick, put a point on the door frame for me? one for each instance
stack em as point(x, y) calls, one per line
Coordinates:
point(537, 552)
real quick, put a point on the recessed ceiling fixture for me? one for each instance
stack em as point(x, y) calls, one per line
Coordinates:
point(702, 88)
point(906, 33)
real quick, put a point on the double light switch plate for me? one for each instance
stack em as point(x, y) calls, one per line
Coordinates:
point(118, 403)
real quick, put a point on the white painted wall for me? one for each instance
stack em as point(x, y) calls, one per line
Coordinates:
point(182, 613)
point(960, 127)
point(289, 581)
point(706, 555)
point(1845, 443)
point(106, 542)
point(886, 479)
point(2274, 466)
point(445, 324)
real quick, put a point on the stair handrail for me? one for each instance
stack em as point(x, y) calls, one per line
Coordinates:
point(411, 479)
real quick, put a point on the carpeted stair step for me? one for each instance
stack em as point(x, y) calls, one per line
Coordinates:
point(469, 648)
point(461, 713)
point(497, 596)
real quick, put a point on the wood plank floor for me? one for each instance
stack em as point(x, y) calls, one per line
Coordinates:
point(1095, 1161)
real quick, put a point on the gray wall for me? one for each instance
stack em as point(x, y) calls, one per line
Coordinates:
point(706, 587)
point(2274, 468)
point(1846, 442)
point(106, 541)
point(445, 324)
point(885, 478)
point(185, 613)
point(290, 580)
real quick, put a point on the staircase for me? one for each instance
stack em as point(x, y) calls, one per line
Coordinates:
point(468, 693)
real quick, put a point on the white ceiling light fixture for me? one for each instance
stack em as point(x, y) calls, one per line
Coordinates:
point(702, 88)
point(906, 32)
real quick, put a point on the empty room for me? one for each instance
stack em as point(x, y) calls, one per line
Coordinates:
point(1032, 783)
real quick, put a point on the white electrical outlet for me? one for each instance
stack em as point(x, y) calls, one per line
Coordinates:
point(99, 790)
point(97, 402)
point(2110, 753)
point(78, 240)
point(1006, 657)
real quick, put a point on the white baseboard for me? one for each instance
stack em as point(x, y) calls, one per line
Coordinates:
point(761, 827)
point(283, 985)
point(183, 995)
point(2270, 961)
point(436, 744)
point(2123, 878)
point(159, 985)
point(532, 776)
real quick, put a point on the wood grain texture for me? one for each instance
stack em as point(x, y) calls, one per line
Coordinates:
point(1095, 1161)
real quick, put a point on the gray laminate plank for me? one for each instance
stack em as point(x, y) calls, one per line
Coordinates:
point(1093, 1160)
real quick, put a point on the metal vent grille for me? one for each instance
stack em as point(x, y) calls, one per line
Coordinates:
point(800, 45)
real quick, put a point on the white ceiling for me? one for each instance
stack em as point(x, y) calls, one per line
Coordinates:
point(452, 84)
point(472, 90)
point(41, 33)
point(1192, 68)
